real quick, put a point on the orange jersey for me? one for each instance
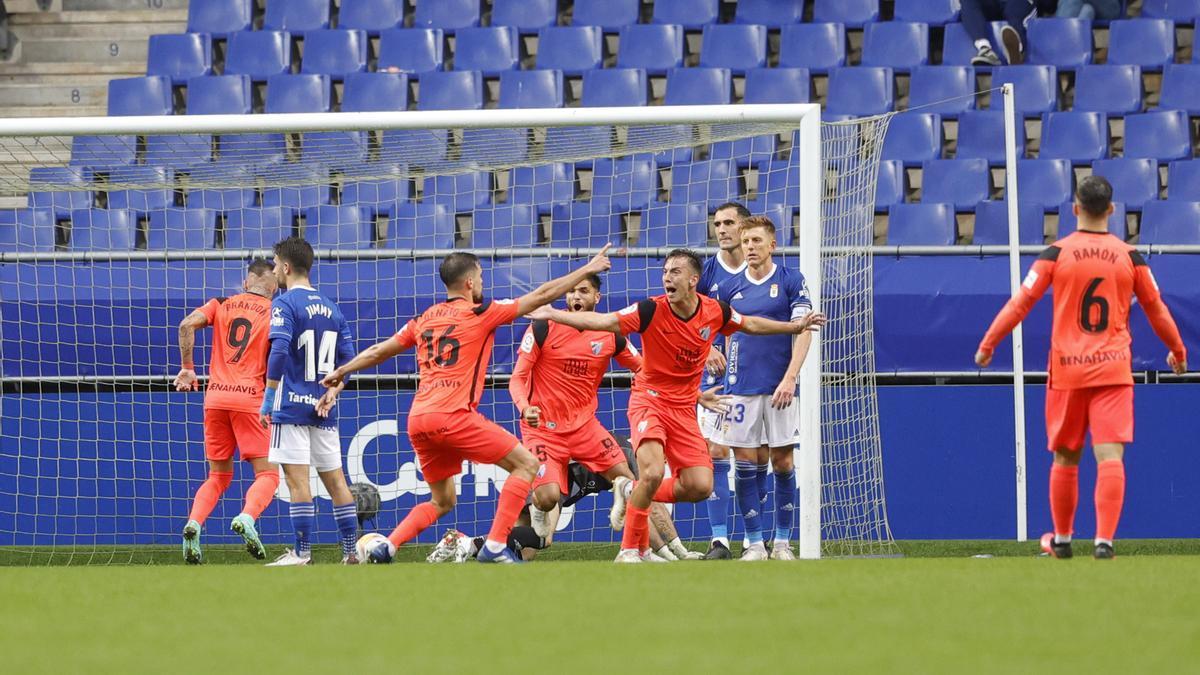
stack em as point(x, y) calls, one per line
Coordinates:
point(454, 342)
point(559, 370)
point(237, 371)
point(1095, 277)
point(675, 348)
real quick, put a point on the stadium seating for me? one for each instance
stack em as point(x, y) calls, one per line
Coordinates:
point(223, 199)
point(615, 87)
point(531, 89)
point(891, 185)
point(372, 16)
point(143, 199)
point(852, 13)
point(1149, 43)
point(991, 224)
point(1036, 88)
point(981, 136)
point(219, 95)
point(1171, 222)
point(961, 182)
point(369, 187)
point(179, 57)
point(174, 229)
point(507, 226)
point(933, 12)
point(610, 15)
point(100, 152)
point(1046, 182)
point(737, 47)
point(711, 181)
point(899, 45)
point(310, 188)
point(861, 91)
point(27, 230)
point(1063, 43)
point(946, 90)
point(259, 54)
point(913, 138)
point(1162, 135)
point(338, 227)
point(140, 96)
point(103, 230)
point(1176, 10)
point(297, 93)
point(1067, 221)
point(1181, 88)
point(925, 224)
point(624, 185)
point(1110, 89)
point(571, 49)
point(1076, 136)
point(699, 86)
point(527, 16)
point(411, 50)
point(674, 225)
point(1183, 180)
point(458, 90)
point(958, 48)
point(778, 182)
point(745, 152)
point(772, 13)
point(219, 17)
point(296, 16)
point(335, 53)
point(1134, 181)
point(654, 48)
point(461, 192)
point(542, 186)
point(422, 226)
point(777, 85)
point(584, 224)
point(691, 14)
point(257, 228)
point(488, 50)
point(819, 47)
point(449, 15)
point(375, 92)
point(62, 202)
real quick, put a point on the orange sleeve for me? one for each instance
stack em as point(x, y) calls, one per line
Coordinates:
point(627, 355)
point(518, 385)
point(1017, 308)
point(1146, 290)
point(498, 313)
point(636, 317)
point(209, 310)
point(407, 337)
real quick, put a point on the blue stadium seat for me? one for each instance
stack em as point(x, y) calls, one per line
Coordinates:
point(624, 185)
point(140, 96)
point(542, 186)
point(335, 53)
point(372, 16)
point(891, 185)
point(251, 149)
point(141, 200)
point(101, 152)
point(1036, 88)
point(772, 13)
point(899, 45)
point(176, 229)
point(1134, 181)
point(777, 85)
point(861, 91)
point(1110, 89)
point(1063, 43)
point(531, 89)
point(257, 228)
point(219, 95)
point(585, 224)
point(1183, 180)
point(745, 152)
point(338, 227)
point(489, 50)
point(219, 17)
point(1067, 221)
point(571, 49)
point(1176, 10)
point(926, 224)
point(699, 86)
point(946, 90)
point(479, 146)
point(913, 138)
point(1149, 43)
point(341, 149)
point(222, 199)
point(779, 182)
point(958, 48)
point(1076, 136)
point(375, 92)
point(508, 226)
point(991, 224)
point(179, 56)
point(615, 87)
point(103, 230)
point(674, 225)
point(296, 16)
point(527, 16)
point(609, 15)
point(781, 216)
point(691, 14)
point(819, 47)
point(1163, 135)
point(457, 90)
point(421, 226)
point(961, 182)
point(460, 192)
point(1181, 88)
point(1175, 222)
point(711, 182)
point(654, 48)
point(737, 47)
point(1047, 182)
point(852, 13)
point(932, 12)
point(259, 54)
point(412, 50)
point(27, 230)
point(449, 15)
point(375, 188)
point(310, 188)
point(61, 202)
point(297, 93)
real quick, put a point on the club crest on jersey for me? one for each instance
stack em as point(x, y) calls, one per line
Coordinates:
point(527, 343)
point(541, 470)
point(774, 290)
point(596, 347)
point(277, 316)
point(642, 426)
point(704, 333)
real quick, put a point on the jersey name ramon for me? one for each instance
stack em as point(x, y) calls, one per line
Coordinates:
point(318, 340)
point(756, 363)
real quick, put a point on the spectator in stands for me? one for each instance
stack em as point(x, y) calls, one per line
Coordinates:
point(1015, 13)
point(1105, 10)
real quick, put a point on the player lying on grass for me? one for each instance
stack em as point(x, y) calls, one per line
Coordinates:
point(454, 343)
point(1094, 275)
point(677, 330)
point(555, 386)
point(236, 372)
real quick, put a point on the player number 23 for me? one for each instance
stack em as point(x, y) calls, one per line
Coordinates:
point(318, 361)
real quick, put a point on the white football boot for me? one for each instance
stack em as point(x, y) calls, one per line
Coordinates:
point(540, 521)
point(628, 556)
point(290, 559)
point(692, 555)
point(782, 550)
point(616, 515)
point(652, 557)
point(755, 553)
point(445, 548)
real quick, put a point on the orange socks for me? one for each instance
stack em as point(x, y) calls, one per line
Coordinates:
point(512, 500)
point(422, 516)
point(637, 523)
point(1110, 497)
point(208, 494)
point(1064, 496)
point(666, 491)
point(261, 492)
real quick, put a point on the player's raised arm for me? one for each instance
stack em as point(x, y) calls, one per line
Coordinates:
point(579, 320)
point(627, 355)
point(1149, 297)
point(186, 379)
point(1041, 274)
point(556, 288)
point(757, 325)
point(374, 355)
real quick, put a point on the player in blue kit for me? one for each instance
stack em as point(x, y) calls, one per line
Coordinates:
point(763, 422)
point(309, 338)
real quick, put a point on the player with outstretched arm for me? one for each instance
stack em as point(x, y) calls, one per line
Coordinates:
point(1094, 276)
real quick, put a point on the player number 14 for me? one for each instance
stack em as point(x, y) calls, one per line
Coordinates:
point(319, 361)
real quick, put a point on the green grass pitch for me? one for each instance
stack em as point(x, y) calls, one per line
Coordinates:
point(935, 610)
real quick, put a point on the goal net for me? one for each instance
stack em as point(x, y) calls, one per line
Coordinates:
point(133, 223)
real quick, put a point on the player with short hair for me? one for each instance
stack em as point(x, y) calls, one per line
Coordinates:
point(454, 343)
point(677, 330)
point(309, 338)
point(763, 423)
point(237, 369)
point(1090, 387)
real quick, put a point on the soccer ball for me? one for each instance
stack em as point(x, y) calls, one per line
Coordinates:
point(367, 542)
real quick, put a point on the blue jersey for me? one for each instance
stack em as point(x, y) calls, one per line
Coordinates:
point(715, 273)
point(758, 362)
point(318, 340)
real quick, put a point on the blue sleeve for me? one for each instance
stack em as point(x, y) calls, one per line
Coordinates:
point(277, 359)
point(345, 344)
point(281, 320)
point(706, 275)
point(798, 296)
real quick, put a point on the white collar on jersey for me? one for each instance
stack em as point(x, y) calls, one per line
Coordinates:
point(302, 288)
point(731, 270)
point(759, 282)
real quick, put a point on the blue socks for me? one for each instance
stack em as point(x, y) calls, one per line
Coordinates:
point(761, 478)
point(346, 516)
point(718, 502)
point(748, 499)
point(302, 519)
point(785, 504)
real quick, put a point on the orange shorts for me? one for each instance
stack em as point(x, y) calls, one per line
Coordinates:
point(591, 445)
point(225, 430)
point(1106, 411)
point(674, 426)
point(443, 440)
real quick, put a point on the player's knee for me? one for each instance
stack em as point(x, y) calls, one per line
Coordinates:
point(651, 476)
point(696, 490)
point(782, 462)
point(718, 451)
point(545, 498)
point(443, 503)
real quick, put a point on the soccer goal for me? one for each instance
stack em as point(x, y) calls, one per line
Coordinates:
point(137, 221)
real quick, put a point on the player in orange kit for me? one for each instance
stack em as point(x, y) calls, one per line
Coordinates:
point(677, 329)
point(1094, 276)
point(237, 373)
point(454, 342)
